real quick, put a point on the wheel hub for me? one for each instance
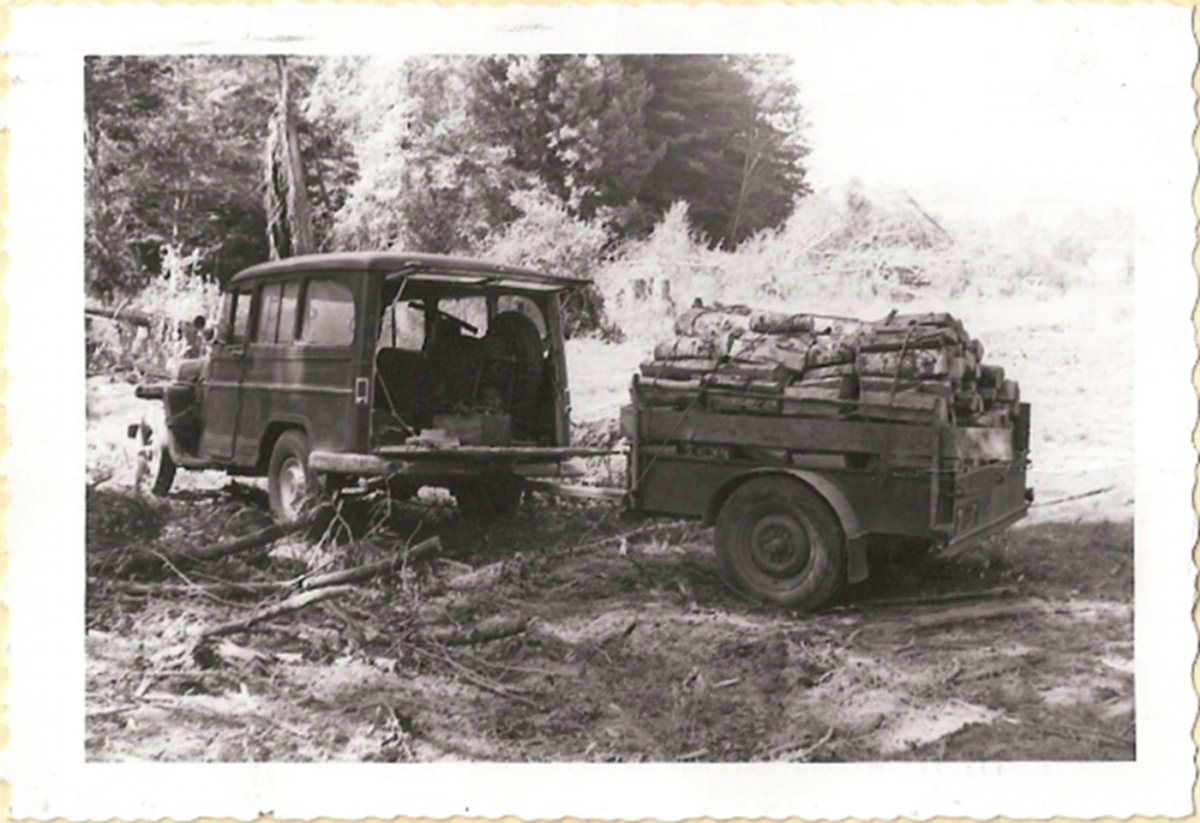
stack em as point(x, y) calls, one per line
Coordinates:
point(293, 486)
point(779, 546)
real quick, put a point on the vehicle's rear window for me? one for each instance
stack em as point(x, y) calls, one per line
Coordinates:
point(472, 310)
point(402, 326)
point(328, 314)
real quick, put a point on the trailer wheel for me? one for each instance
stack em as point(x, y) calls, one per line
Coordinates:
point(495, 497)
point(779, 542)
point(291, 486)
point(154, 466)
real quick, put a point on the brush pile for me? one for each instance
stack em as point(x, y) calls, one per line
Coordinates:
point(906, 368)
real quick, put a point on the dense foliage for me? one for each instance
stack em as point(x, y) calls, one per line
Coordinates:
point(551, 159)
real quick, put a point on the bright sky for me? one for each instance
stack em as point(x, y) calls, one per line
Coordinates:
point(1011, 106)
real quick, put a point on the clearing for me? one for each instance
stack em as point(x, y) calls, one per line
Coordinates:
point(620, 641)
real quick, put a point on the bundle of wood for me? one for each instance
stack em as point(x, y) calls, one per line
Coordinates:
point(906, 368)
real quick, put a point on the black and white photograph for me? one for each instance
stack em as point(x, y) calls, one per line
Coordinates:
point(808, 390)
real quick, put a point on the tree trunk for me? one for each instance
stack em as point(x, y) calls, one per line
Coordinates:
point(289, 219)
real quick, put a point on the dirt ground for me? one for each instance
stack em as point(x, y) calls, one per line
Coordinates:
point(625, 644)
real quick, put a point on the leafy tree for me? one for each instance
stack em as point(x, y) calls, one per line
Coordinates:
point(630, 135)
point(173, 150)
point(573, 122)
point(427, 179)
point(728, 132)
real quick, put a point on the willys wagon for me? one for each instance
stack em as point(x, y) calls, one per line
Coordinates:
point(423, 369)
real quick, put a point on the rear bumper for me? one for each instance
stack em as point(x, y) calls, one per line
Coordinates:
point(445, 465)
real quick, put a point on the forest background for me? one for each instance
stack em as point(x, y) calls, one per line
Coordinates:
point(662, 178)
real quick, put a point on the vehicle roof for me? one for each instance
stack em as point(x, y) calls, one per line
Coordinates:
point(382, 264)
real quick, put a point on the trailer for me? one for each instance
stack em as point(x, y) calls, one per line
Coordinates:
point(797, 501)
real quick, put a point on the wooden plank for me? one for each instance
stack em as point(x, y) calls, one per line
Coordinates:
point(829, 351)
point(753, 403)
point(939, 387)
point(684, 368)
point(800, 434)
point(823, 372)
point(915, 363)
point(823, 436)
point(686, 348)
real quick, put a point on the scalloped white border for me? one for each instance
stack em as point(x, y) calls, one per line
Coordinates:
point(44, 462)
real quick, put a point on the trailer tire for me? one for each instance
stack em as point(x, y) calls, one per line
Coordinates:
point(780, 542)
point(495, 497)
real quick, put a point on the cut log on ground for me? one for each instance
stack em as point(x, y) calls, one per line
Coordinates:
point(983, 611)
point(253, 589)
point(492, 628)
point(943, 597)
point(292, 604)
point(142, 560)
point(359, 574)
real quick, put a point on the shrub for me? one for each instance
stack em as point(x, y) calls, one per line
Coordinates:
point(549, 238)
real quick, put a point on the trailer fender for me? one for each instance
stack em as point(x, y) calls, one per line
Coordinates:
point(856, 536)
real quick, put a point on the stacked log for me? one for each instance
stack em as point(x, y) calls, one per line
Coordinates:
point(905, 368)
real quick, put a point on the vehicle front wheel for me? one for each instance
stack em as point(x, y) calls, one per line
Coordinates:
point(291, 486)
point(489, 498)
point(778, 541)
point(154, 467)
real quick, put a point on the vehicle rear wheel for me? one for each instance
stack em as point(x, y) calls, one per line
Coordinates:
point(291, 486)
point(495, 497)
point(779, 542)
point(154, 467)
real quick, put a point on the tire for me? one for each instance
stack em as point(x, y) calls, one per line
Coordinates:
point(490, 498)
point(154, 467)
point(779, 542)
point(291, 486)
point(512, 350)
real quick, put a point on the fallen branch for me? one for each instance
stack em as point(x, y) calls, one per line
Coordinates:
point(292, 604)
point(475, 678)
point(219, 589)
point(358, 574)
point(638, 532)
point(945, 597)
point(254, 540)
point(986, 611)
point(492, 628)
point(147, 559)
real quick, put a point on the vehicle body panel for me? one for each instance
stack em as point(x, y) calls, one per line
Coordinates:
point(254, 386)
point(933, 483)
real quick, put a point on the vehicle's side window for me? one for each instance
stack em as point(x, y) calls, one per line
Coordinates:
point(239, 326)
point(287, 312)
point(328, 314)
point(268, 313)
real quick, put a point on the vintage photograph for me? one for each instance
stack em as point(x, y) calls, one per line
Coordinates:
point(604, 412)
point(567, 407)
